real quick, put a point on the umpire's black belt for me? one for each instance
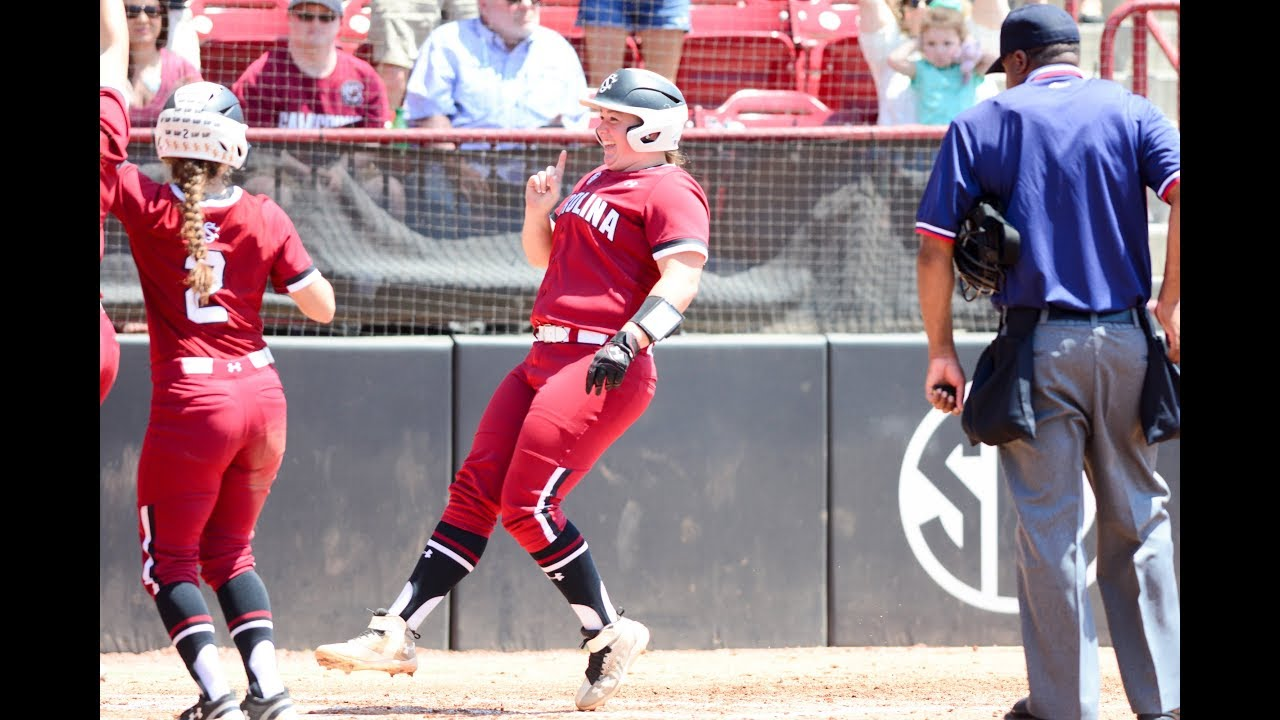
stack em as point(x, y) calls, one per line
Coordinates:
point(1113, 317)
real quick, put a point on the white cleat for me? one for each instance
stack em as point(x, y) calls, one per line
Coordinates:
point(386, 645)
point(613, 649)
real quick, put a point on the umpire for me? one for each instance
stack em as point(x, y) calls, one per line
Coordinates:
point(1071, 158)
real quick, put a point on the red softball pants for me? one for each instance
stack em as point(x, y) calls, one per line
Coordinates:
point(213, 446)
point(540, 434)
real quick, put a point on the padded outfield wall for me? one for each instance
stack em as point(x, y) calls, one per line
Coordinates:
point(781, 490)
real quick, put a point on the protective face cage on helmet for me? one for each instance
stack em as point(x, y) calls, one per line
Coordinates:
point(985, 248)
point(202, 121)
point(655, 100)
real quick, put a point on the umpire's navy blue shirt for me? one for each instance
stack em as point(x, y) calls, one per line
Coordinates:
point(1071, 159)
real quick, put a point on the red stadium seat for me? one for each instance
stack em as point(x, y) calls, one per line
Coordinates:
point(244, 21)
point(764, 108)
point(355, 25)
point(726, 16)
point(560, 17)
point(831, 61)
point(234, 33)
point(736, 45)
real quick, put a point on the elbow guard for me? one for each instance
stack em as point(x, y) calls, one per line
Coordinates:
point(658, 318)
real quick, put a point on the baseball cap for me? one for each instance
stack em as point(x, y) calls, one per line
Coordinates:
point(334, 5)
point(1034, 26)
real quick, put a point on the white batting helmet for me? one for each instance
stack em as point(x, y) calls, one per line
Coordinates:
point(656, 100)
point(202, 121)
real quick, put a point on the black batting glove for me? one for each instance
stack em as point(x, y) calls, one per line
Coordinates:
point(611, 363)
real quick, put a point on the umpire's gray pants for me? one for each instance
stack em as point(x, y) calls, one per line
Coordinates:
point(1088, 379)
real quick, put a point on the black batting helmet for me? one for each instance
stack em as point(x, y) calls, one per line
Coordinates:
point(656, 100)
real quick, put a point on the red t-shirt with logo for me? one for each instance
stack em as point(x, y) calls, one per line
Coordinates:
point(276, 94)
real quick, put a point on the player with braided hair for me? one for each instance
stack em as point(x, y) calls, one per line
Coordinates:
point(623, 255)
point(205, 251)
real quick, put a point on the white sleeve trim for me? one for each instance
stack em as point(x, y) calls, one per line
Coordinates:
point(935, 229)
point(306, 280)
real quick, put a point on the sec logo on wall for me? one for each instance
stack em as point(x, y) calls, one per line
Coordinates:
point(956, 515)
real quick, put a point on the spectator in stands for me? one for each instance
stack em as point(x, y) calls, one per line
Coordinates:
point(155, 71)
point(949, 68)
point(660, 28)
point(885, 25)
point(397, 29)
point(502, 70)
point(312, 83)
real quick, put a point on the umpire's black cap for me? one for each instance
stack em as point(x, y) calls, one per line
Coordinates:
point(1034, 26)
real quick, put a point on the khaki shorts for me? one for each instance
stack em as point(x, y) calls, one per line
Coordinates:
point(398, 28)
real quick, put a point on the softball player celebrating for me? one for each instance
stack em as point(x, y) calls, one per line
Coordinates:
point(205, 251)
point(113, 142)
point(623, 254)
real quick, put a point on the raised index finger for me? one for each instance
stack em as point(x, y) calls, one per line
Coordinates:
point(560, 164)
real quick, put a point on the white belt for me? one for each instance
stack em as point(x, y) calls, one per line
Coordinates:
point(558, 334)
point(205, 365)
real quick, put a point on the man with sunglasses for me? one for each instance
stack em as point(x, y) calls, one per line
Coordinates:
point(312, 83)
point(501, 70)
point(883, 29)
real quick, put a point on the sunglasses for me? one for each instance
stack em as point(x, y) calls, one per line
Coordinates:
point(535, 3)
point(315, 17)
point(133, 11)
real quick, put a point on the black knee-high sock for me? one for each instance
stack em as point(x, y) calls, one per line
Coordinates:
point(567, 562)
point(186, 617)
point(247, 610)
point(450, 555)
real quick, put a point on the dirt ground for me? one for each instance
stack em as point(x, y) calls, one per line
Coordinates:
point(870, 683)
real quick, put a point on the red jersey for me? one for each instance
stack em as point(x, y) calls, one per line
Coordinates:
point(609, 234)
point(113, 144)
point(276, 94)
point(250, 241)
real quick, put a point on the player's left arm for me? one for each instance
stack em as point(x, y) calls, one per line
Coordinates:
point(677, 219)
point(659, 316)
point(678, 284)
point(293, 271)
point(316, 299)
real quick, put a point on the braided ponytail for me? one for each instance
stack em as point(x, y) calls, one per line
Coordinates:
point(192, 176)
